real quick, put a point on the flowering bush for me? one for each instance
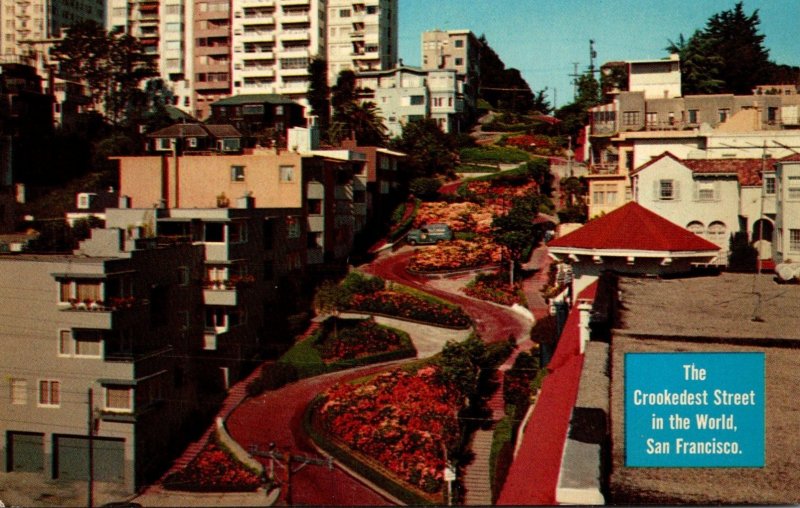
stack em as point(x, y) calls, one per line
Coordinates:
point(362, 339)
point(402, 420)
point(494, 287)
point(455, 255)
point(214, 470)
point(393, 303)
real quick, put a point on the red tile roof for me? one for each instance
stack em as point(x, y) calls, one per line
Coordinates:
point(533, 476)
point(791, 158)
point(632, 227)
point(748, 171)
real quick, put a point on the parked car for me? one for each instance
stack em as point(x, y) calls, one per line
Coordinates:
point(430, 234)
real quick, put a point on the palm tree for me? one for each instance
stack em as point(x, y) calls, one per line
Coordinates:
point(361, 120)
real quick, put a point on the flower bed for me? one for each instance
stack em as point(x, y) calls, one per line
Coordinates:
point(494, 287)
point(393, 303)
point(403, 421)
point(364, 338)
point(456, 255)
point(214, 470)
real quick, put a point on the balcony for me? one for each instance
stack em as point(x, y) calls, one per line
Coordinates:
point(259, 19)
point(604, 169)
point(221, 31)
point(97, 314)
point(257, 71)
point(212, 67)
point(294, 72)
point(211, 50)
point(286, 3)
point(298, 34)
point(295, 18)
point(213, 85)
point(357, 35)
point(222, 294)
point(212, 336)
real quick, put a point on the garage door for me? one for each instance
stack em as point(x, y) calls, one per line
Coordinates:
point(25, 451)
point(72, 458)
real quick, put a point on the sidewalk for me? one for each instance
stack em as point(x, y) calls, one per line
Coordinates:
point(156, 496)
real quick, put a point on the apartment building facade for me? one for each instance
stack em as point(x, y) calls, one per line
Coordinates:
point(362, 36)
point(273, 42)
point(114, 318)
point(454, 49)
point(786, 248)
point(406, 94)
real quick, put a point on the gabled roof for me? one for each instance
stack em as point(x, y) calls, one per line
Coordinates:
point(632, 227)
point(255, 98)
point(748, 171)
point(795, 157)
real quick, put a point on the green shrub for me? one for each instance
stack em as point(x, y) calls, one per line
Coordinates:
point(358, 283)
point(501, 455)
point(495, 154)
point(305, 358)
point(425, 188)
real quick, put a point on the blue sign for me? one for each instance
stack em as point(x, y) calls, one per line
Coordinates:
point(694, 409)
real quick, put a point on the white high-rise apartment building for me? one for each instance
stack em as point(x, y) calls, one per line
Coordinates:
point(164, 28)
point(362, 36)
point(273, 42)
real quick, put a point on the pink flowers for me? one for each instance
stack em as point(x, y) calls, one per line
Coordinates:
point(402, 420)
point(455, 255)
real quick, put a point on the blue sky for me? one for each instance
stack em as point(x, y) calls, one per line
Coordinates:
point(543, 38)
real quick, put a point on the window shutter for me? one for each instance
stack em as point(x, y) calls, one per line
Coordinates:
point(696, 191)
point(676, 190)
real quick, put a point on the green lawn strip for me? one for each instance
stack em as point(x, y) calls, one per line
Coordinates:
point(476, 168)
point(422, 295)
point(363, 465)
point(501, 454)
point(493, 154)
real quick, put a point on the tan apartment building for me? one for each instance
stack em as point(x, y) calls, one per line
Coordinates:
point(115, 318)
point(362, 36)
point(458, 50)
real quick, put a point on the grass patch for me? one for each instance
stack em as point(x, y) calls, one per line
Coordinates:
point(494, 154)
point(422, 295)
point(476, 168)
point(501, 455)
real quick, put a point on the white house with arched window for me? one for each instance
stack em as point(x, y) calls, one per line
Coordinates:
point(713, 198)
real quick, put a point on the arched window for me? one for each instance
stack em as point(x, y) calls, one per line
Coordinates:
point(717, 232)
point(696, 227)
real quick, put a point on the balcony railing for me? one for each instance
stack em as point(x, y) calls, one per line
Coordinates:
point(604, 169)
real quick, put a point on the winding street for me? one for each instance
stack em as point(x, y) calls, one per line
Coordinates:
point(276, 416)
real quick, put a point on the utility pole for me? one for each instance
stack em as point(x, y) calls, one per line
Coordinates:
point(592, 56)
point(90, 429)
point(575, 77)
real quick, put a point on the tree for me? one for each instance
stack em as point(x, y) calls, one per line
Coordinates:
point(430, 151)
point(502, 88)
point(128, 66)
point(331, 298)
point(574, 191)
point(576, 114)
point(362, 121)
point(726, 56)
point(343, 93)
point(83, 54)
point(319, 93)
point(539, 171)
point(515, 231)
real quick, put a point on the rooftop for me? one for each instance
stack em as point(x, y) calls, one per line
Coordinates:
point(632, 228)
point(256, 98)
point(748, 171)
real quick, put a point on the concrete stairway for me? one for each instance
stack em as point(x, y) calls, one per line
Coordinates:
point(477, 482)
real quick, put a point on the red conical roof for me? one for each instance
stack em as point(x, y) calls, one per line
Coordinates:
point(633, 227)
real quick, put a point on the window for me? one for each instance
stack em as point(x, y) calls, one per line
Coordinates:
point(651, 117)
point(314, 206)
point(717, 233)
point(278, 110)
point(173, 27)
point(705, 191)
point(417, 100)
point(214, 232)
point(769, 185)
point(237, 173)
point(314, 240)
point(666, 189)
point(696, 227)
point(286, 173)
point(793, 187)
point(253, 109)
point(372, 9)
point(459, 61)
point(88, 343)
point(18, 391)
point(65, 342)
point(49, 393)
point(723, 113)
point(237, 232)
point(118, 399)
point(87, 291)
point(772, 115)
point(164, 144)
point(344, 13)
point(459, 43)
point(293, 228)
point(794, 240)
point(693, 115)
point(64, 291)
point(630, 117)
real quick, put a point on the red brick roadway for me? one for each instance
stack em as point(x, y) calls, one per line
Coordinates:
point(276, 416)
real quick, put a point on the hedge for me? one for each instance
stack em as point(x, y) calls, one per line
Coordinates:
point(400, 229)
point(341, 453)
point(494, 154)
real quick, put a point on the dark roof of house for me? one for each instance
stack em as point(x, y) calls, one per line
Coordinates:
point(633, 227)
point(181, 130)
point(223, 131)
point(179, 115)
point(748, 171)
point(256, 98)
point(196, 130)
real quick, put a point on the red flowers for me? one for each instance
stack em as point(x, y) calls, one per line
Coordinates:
point(362, 339)
point(399, 419)
point(456, 255)
point(393, 303)
point(214, 470)
point(494, 287)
